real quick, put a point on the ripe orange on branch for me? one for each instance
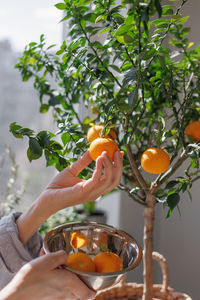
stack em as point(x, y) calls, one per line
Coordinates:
point(106, 262)
point(80, 261)
point(95, 131)
point(155, 160)
point(103, 144)
point(193, 130)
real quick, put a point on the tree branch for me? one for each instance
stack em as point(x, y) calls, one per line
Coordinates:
point(127, 190)
point(134, 167)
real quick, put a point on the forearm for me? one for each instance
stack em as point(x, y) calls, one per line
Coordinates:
point(30, 221)
point(8, 294)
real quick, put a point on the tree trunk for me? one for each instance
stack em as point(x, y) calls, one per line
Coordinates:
point(149, 213)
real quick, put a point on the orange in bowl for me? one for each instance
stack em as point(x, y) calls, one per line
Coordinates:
point(80, 261)
point(106, 262)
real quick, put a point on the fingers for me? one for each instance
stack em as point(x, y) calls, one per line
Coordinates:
point(102, 183)
point(118, 167)
point(98, 170)
point(94, 182)
point(81, 163)
point(42, 252)
point(50, 261)
point(77, 287)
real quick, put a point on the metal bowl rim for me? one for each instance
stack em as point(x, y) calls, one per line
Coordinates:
point(120, 232)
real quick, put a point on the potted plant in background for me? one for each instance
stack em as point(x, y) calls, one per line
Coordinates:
point(143, 79)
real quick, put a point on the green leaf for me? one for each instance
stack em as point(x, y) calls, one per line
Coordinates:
point(185, 30)
point(14, 126)
point(149, 54)
point(32, 156)
point(190, 195)
point(65, 137)
point(84, 2)
point(169, 213)
point(173, 200)
point(44, 108)
point(60, 6)
point(125, 39)
point(35, 147)
point(83, 23)
point(99, 18)
point(32, 44)
point(105, 30)
point(116, 68)
point(123, 29)
point(43, 138)
point(190, 45)
point(26, 131)
point(171, 184)
point(55, 145)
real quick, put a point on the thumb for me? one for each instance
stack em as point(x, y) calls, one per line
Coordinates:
point(50, 261)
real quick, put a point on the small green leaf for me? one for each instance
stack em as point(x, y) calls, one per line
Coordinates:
point(60, 6)
point(44, 108)
point(43, 138)
point(35, 147)
point(83, 23)
point(173, 200)
point(171, 184)
point(84, 2)
point(105, 30)
point(14, 126)
point(116, 68)
point(99, 18)
point(190, 195)
point(190, 45)
point(32, 156)
point(169, 213)
point(123, 29)
point(65, 137)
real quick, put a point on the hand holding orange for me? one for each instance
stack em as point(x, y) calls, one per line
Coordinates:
point(103, 144)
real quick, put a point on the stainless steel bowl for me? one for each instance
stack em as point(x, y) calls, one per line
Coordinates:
point(100, 237)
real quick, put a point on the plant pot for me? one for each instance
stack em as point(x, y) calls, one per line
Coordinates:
point(98, 216)
point(134, 291)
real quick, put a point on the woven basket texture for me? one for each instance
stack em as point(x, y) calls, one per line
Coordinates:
point(134, 291)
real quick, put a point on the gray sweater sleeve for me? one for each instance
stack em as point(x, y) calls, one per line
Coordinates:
point(13, 254)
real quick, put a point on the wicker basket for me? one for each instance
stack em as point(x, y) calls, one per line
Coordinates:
point(133, 291)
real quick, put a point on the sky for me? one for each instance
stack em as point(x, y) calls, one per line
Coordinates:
point(23, 21)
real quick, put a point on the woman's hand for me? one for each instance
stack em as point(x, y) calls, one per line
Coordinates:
point(40, 279)
point(67, 189)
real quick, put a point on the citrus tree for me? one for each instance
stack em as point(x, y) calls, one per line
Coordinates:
point(132, 64)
